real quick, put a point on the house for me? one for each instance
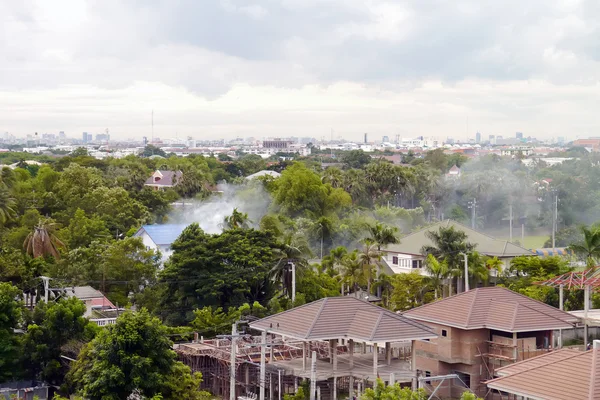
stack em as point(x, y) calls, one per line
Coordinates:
point(406, 256)
point(454, 172)
point(483, 330)
point(562, 375)
point(264, 172)
point(160, 237)
point(161, 180)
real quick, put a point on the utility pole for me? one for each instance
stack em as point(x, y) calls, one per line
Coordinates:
point(466, 271)
point(232, 361)
point(510, 212)
point(293, 282)
point(313, 376)
point(263, 345)
point(473, 207)
point(554, 220)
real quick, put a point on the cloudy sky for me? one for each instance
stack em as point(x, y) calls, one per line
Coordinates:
point(227, 68)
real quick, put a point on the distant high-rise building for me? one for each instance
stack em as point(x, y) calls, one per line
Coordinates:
point(561, 140)
point(519, 135)
point(61, 135)
point(499, 137)
point(102, 137)
point(84, 136)
point(145, 140)
point(385, 139)
point(492, 139)
point(365, 138)
point(477, 137)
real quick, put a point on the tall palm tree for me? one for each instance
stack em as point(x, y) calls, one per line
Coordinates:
point(237, 220)
point(293, 249)
point(336, 256)
point(352, 270)
point(382, 235)
point(589, 247)
point(368, 256)
point(334, 176)
point(449, 244)
point(438, 273)
point(42, 242)
point(7, 204)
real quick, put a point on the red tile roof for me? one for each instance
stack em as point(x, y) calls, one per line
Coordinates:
point(343, 317)
point(493, 308)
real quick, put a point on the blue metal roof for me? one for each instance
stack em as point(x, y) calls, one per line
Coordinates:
point(162, 234)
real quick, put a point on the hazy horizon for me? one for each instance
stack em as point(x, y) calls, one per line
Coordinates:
point(227, 68)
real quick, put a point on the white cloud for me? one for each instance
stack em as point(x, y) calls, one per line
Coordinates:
point(273, 67)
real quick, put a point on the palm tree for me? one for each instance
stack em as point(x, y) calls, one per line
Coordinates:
point(42, 242)
point(237, 220)
point(494, 264)
point(7, 204)
point(383, 235)
point(334, 176)
point(589, 247)
point(449, 244)
point(352, 270)
point(438, 272)
point(293, 249)
point(367, 256)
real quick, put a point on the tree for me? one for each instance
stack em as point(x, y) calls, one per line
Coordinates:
point(352, 270)
point(83, 230)
point(449, 244)
point(293, 249)
point(589, 247)
point(211, 321)
point(10, 317)
point(437, 272)
point(151, 150)
point(52, 326)
point(368, 255)
point(237, 220)
point(133, 356)
point(356, 159)
point(409, 291)
point(7, 204)
point(223, 270)
point(42, 242)
point(395, 392)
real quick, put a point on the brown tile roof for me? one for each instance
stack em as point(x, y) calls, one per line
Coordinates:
point(493, 308)
point(538, 361)
point(343, 317)
point(572, 377)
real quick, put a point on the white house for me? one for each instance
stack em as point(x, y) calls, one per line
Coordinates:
point(160, 237)
point(406, 256)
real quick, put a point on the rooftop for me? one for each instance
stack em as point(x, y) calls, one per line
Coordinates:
point(164, 234)
point(485, 244)
point(264, 172)
point(343, 317)
point(570, 375)
point(164, 178)
point(493, 308)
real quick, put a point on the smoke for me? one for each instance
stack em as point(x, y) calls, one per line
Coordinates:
point(250, 198)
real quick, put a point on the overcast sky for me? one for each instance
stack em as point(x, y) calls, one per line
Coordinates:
point(227, 68)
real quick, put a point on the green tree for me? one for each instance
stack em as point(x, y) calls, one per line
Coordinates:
point(409, 291)
point(237, 220)
point(356, 159)
point(210, 321)
point(589, 247)
point(151, 150)
point(293, 249)
point(352, 270)
point(250, 164)
point(83, 230)
point(7, 204)
point(42, 242)
point(437, 272)
point(395, 392)
point(10, 317)
point(52, 326)
point(133, 356)
point(224, 270)
point(369, 255)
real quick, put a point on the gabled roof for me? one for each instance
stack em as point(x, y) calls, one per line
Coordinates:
point(162, 235)
point(574, 376)
point(485, 244)
point(264, 172)
point(493, 308)
point(343, 317)
point(167, 178)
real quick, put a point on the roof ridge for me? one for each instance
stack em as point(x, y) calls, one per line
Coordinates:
point(543, 355)
point(472, 306)
point(381, 313)
point(312, 326)
point(412, 322)
point(536, 301)
point(515, 313)
point(436, 302)
point(543, 312)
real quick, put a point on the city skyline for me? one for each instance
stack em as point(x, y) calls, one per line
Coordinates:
point(300, 68)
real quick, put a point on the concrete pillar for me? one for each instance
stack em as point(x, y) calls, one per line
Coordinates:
point(334, 388)
point(295, 384)
point(304, 355)
point(413, 363)
point(515, 349)
point(392, 379)
point(350, 387)
point(586, 308)
point(330, 351)
point(334, 357)
point(375, 360)
point(364, 349)
point(271, 390)
point(388, 353)
point(351, 353)
point(318, 392)
point(561, 297)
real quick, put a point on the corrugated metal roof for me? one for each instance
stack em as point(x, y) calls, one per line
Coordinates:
point(343, 317)
point(493, 308)
point(567, 378)
point(162, 235)
point(485, 244)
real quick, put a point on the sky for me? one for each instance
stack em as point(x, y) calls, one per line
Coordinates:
point(317, 68)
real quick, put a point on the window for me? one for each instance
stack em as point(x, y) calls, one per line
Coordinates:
point(427, 374)
point(395, 260)
point(466, 378)
point(416, 263)
point(444, 333)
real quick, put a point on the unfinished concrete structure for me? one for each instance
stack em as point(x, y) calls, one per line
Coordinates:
point(482, 330)
point(355, 342)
